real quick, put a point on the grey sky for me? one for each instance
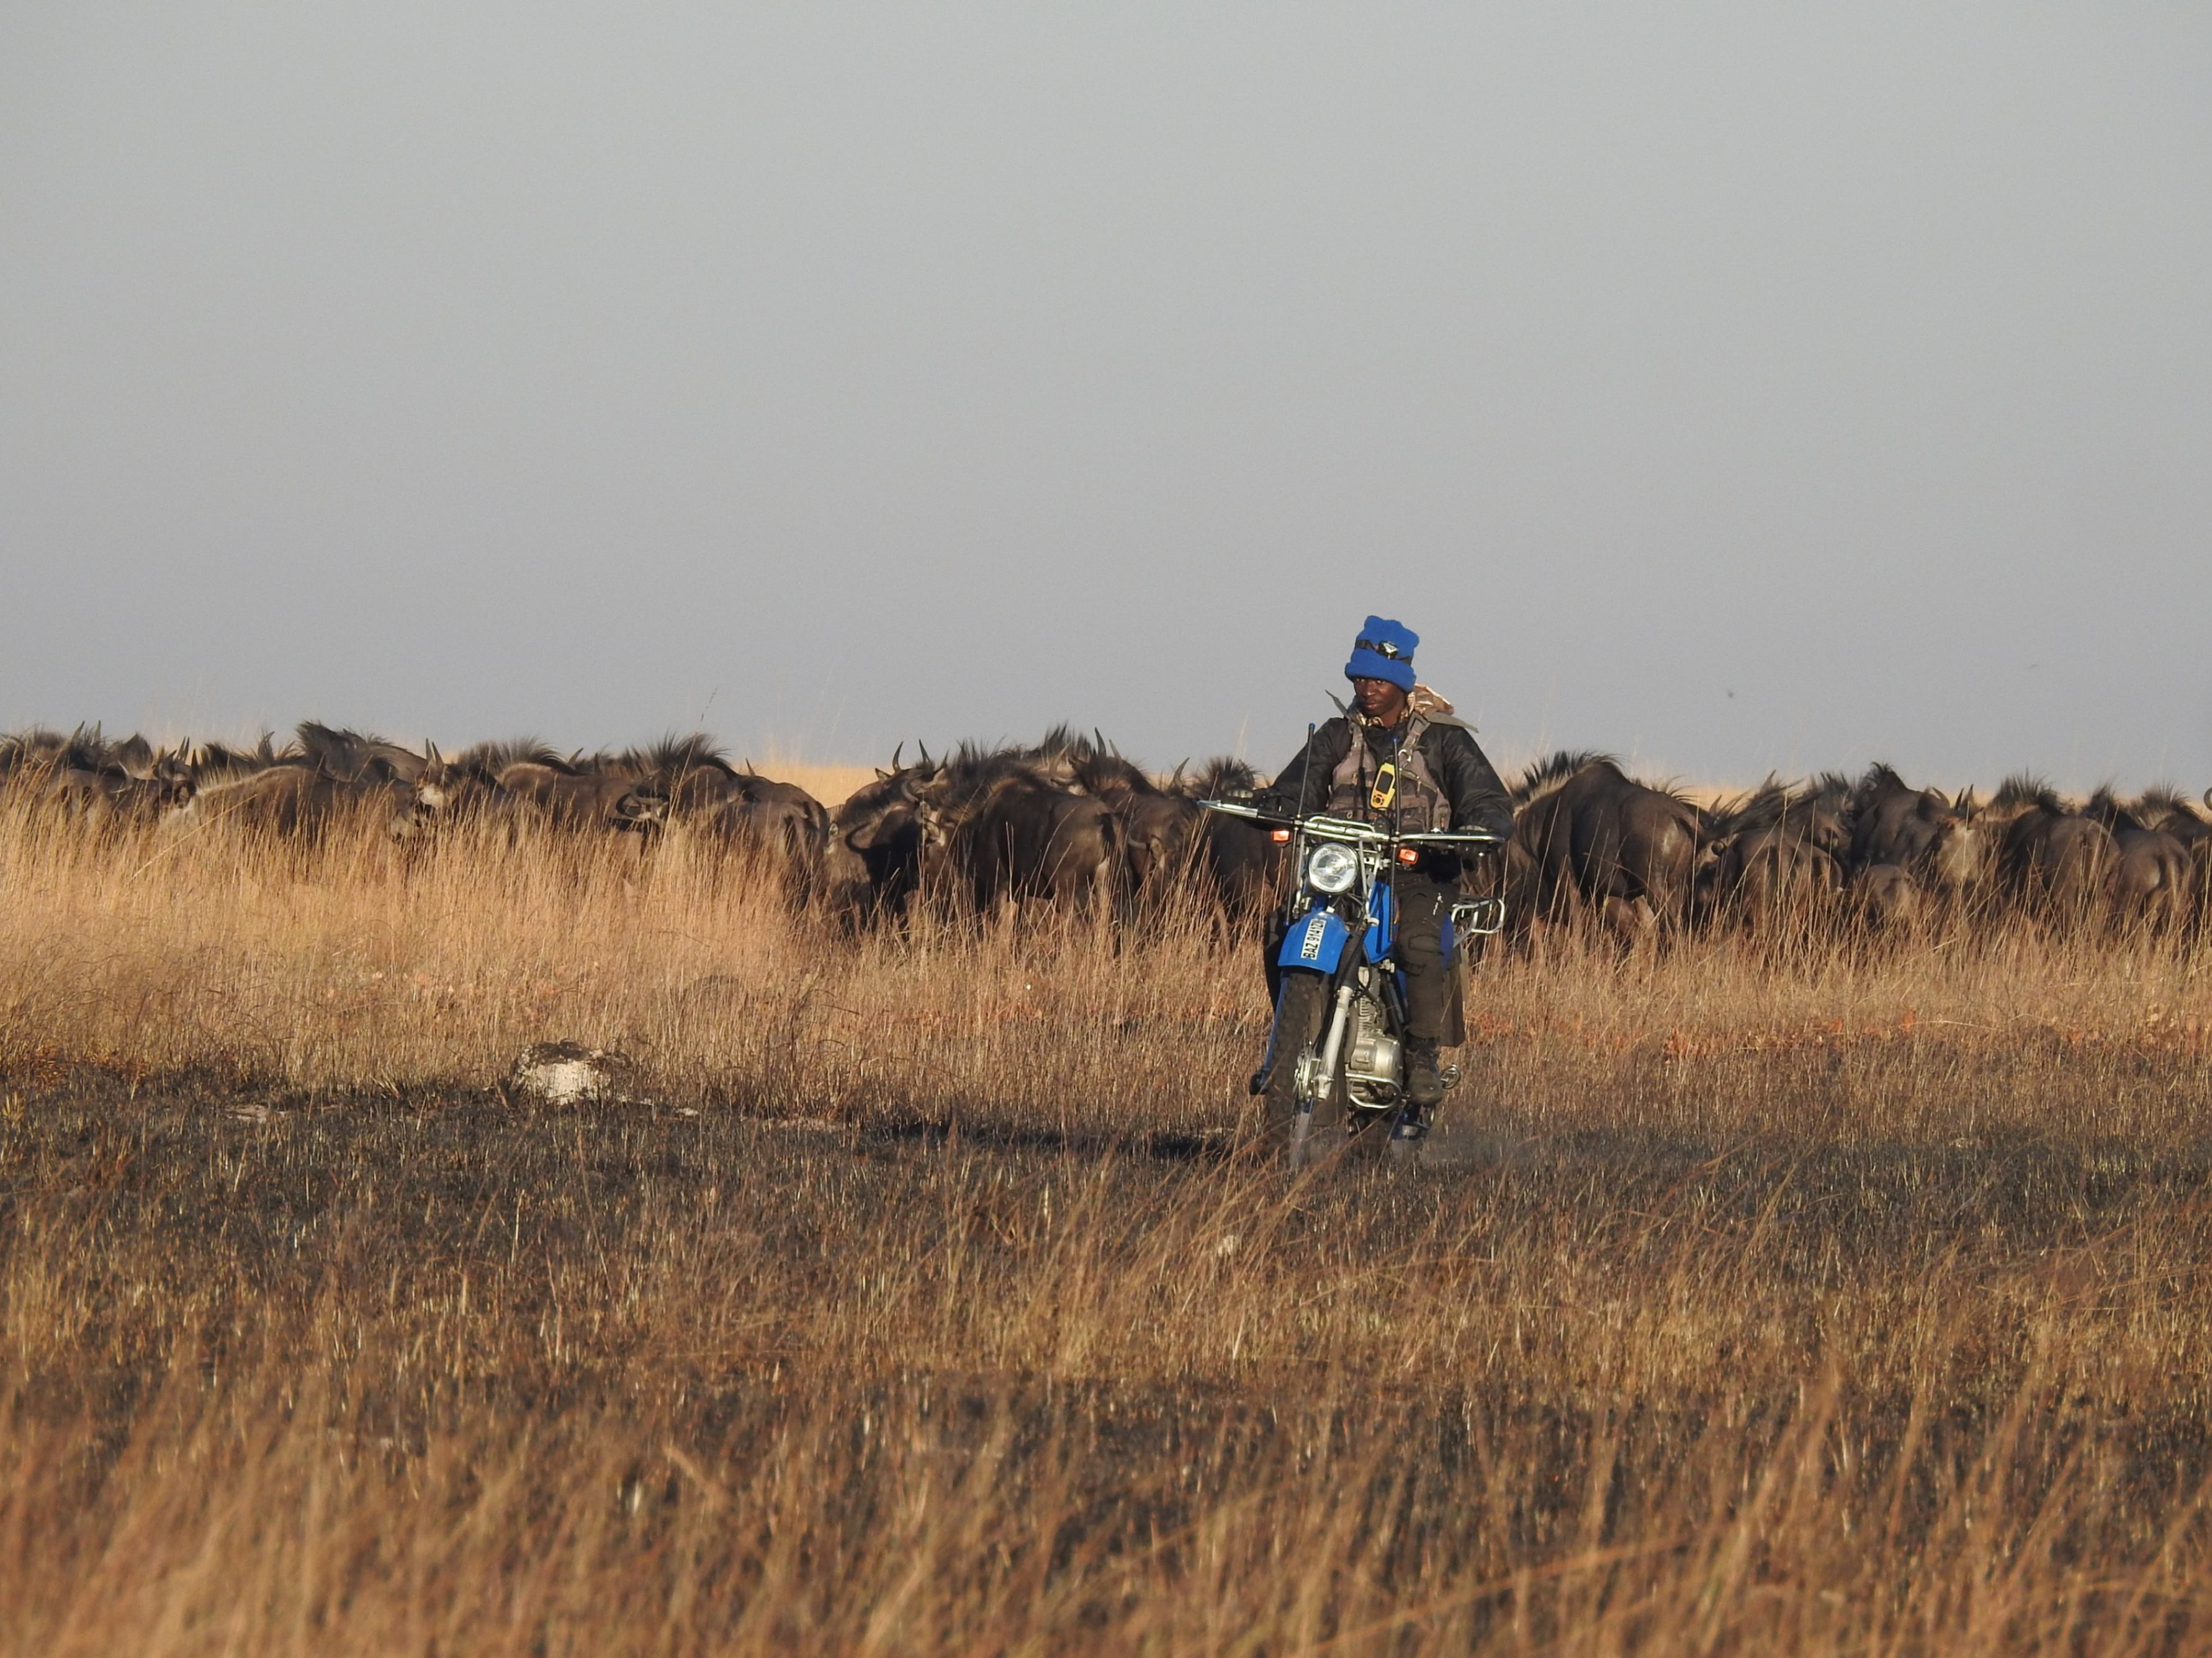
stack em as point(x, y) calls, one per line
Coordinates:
point(1736, 386)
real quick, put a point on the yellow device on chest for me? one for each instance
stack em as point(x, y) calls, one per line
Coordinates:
point(1386, 786)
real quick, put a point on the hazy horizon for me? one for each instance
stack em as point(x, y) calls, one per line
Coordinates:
point(1735, 390)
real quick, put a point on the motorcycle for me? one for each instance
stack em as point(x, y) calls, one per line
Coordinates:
point(1335, 1063)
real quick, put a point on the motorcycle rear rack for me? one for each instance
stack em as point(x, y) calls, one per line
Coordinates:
point(1477, 917)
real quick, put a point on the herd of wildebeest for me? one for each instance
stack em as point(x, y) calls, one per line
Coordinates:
point(1068, 823)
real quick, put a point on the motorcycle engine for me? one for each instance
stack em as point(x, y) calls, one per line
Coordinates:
point(1372, 1069)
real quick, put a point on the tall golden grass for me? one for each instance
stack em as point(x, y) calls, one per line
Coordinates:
point(1846, 1298)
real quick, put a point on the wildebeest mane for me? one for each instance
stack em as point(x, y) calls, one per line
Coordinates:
point(1062, 742)
point(213, 761)
point(971, 769)
point(81, 750)
point(339, 752)
point(1548, 774)
point(676, 754)
point(488, 760)
point(2106, 807)
point(1879, 779)
point(1762, 808)
point(1089, 762)
point(1101, 771)
point(2163, 800)
point(1222, 779)
point(2025, 788)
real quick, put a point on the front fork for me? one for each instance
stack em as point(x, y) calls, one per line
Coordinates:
point(1317, 1082)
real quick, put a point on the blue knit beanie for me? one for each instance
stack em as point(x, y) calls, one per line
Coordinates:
point(1385, 651)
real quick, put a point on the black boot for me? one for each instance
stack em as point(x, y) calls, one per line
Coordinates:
point(1424, 1084)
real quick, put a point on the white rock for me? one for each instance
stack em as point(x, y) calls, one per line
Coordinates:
point(569, 1074)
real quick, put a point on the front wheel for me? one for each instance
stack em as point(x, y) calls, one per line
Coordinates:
point(1301, 1009)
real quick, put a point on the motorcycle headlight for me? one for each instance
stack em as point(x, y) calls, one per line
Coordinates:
point(1331, 868)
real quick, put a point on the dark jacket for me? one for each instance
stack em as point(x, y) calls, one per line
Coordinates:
point(1462, 771)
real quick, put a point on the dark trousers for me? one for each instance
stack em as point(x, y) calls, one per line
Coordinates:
point(1423, 904)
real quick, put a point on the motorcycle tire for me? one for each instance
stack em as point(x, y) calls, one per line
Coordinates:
point(1300, 1011)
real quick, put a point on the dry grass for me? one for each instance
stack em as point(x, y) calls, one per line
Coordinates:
point(1840, 1300)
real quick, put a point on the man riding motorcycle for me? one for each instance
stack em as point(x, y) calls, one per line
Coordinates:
point(1388, 761)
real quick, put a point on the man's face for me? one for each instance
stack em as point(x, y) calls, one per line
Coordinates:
point(1378, 699)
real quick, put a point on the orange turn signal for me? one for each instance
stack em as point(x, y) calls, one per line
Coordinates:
point(1279, 836)
point(1409, 854)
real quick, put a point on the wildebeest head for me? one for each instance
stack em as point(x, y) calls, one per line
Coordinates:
point(1893, 822)
point(874, 856)
point(882, 814)
point(639, 810)
point(1960, 855)
point(957, 787)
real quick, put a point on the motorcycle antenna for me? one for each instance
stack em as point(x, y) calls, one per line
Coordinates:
point(1297, 816)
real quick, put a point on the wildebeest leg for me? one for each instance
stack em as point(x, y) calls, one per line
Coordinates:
point(1598, 856)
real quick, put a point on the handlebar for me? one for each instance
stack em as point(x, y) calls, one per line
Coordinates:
point(1344, 829)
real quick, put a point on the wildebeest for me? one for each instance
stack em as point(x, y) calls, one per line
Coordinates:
point(1071, 820)
point(1594, 835)
point(995, 829)
point(285, 794)
point(562, 791)
point(778, 825)
point(1240, 863)
point(2152, 882)
point(1157, 827)
point(2055, 861)
point(873, 865)
point(1886, 896)
point(2168, 809)
point(1774, 857)
point(1935, 840)
point(86, 777)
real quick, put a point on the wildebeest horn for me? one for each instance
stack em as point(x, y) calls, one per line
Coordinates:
point(2208, 797)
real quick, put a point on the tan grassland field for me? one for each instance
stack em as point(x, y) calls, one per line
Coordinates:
point(1842, 1299)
